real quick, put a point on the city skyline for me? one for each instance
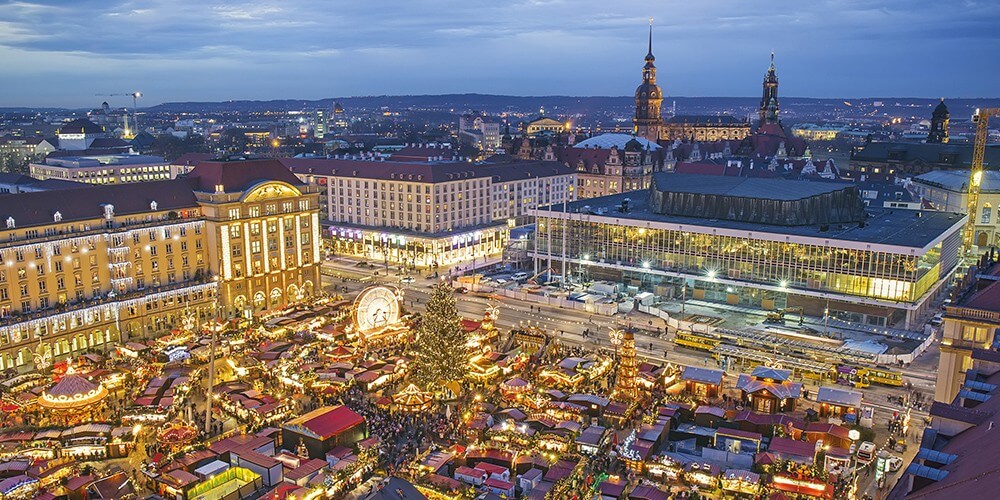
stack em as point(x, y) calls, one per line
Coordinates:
point(63, 55)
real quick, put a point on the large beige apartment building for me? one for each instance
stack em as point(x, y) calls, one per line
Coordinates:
point(430, 213)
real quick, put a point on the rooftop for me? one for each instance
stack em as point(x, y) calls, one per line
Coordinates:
point(746, 187)
point(326, 422)
point(840, 397)
point(958, 155)
point(958, 180)
point(81, 126)
point(238, 176)
point(430, 172)
point(84, 161)
point(86, 202)
point(958, 466)
point(903, 228)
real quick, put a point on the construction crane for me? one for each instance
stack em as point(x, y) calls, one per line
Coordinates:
point(982, 121)
point(135, 103)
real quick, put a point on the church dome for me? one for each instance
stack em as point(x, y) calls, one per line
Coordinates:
point(648, 90)
point(941, 110)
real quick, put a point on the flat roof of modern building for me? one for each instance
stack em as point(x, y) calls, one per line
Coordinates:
point(900, 228)
point(97, 160)
point(746, 187)
point(958, 180)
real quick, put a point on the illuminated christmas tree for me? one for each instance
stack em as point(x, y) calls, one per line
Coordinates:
point(439, 353)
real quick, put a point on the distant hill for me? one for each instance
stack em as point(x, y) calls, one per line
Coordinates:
point(568, 105)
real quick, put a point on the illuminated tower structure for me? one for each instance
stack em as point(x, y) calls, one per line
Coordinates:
point(769, 101)
point(648, 98)
point(939, 124)
point(628, 369)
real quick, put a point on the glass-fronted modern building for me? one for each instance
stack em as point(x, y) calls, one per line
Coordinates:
point(764, 243)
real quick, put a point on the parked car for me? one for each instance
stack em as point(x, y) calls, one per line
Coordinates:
point(519, 276)
point(895, 463)
point(461, 289)
point(937, 320)
point(406, 279)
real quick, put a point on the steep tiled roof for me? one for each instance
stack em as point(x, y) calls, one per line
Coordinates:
point(238, 176)
point(987, 299)
point(81, 126)
point(192, 159)
point(964, 462)
point(83, 203)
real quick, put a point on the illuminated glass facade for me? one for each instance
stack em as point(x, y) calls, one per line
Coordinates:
point(768, 266)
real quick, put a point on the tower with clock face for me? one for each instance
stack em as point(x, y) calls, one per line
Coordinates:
point(376, 308)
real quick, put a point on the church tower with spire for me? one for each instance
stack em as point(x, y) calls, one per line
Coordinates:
point(939, 124)
point(648, 98)
point(769, 101)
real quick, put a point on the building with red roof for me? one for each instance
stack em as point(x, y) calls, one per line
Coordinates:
point(324, 429)
point(955, 457)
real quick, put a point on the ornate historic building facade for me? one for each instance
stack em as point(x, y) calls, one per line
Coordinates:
point(939, 124)
point(612, 163)
point(94, 266)
point(704, 128)
point(648, 121)
point(263, 227)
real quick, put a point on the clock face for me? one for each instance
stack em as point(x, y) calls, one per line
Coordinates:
point(376, 308)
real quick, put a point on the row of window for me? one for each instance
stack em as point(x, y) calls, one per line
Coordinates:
point(269, 209)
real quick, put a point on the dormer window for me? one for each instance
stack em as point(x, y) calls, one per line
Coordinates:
point(153, 205)
point(109, 211)
point(10, 223)
point(219, 188)
point(57, 217)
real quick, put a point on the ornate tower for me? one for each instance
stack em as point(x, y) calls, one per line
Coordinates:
point(628, 369)
point(939, 124)
point(769, 101)
point(648, 98)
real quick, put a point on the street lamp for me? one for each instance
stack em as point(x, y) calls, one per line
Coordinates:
point(854, 436)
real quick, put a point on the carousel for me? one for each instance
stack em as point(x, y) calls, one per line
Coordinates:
point(176, 435)
point(73, 399)
point(514, 387)
point(412, 400)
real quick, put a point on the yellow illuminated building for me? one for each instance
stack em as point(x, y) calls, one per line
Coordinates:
point(877, 273)
point(90, 267)
point(263, 224)
point(969, 329)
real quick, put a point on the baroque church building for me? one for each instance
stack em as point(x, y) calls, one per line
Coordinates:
point(650, 124)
